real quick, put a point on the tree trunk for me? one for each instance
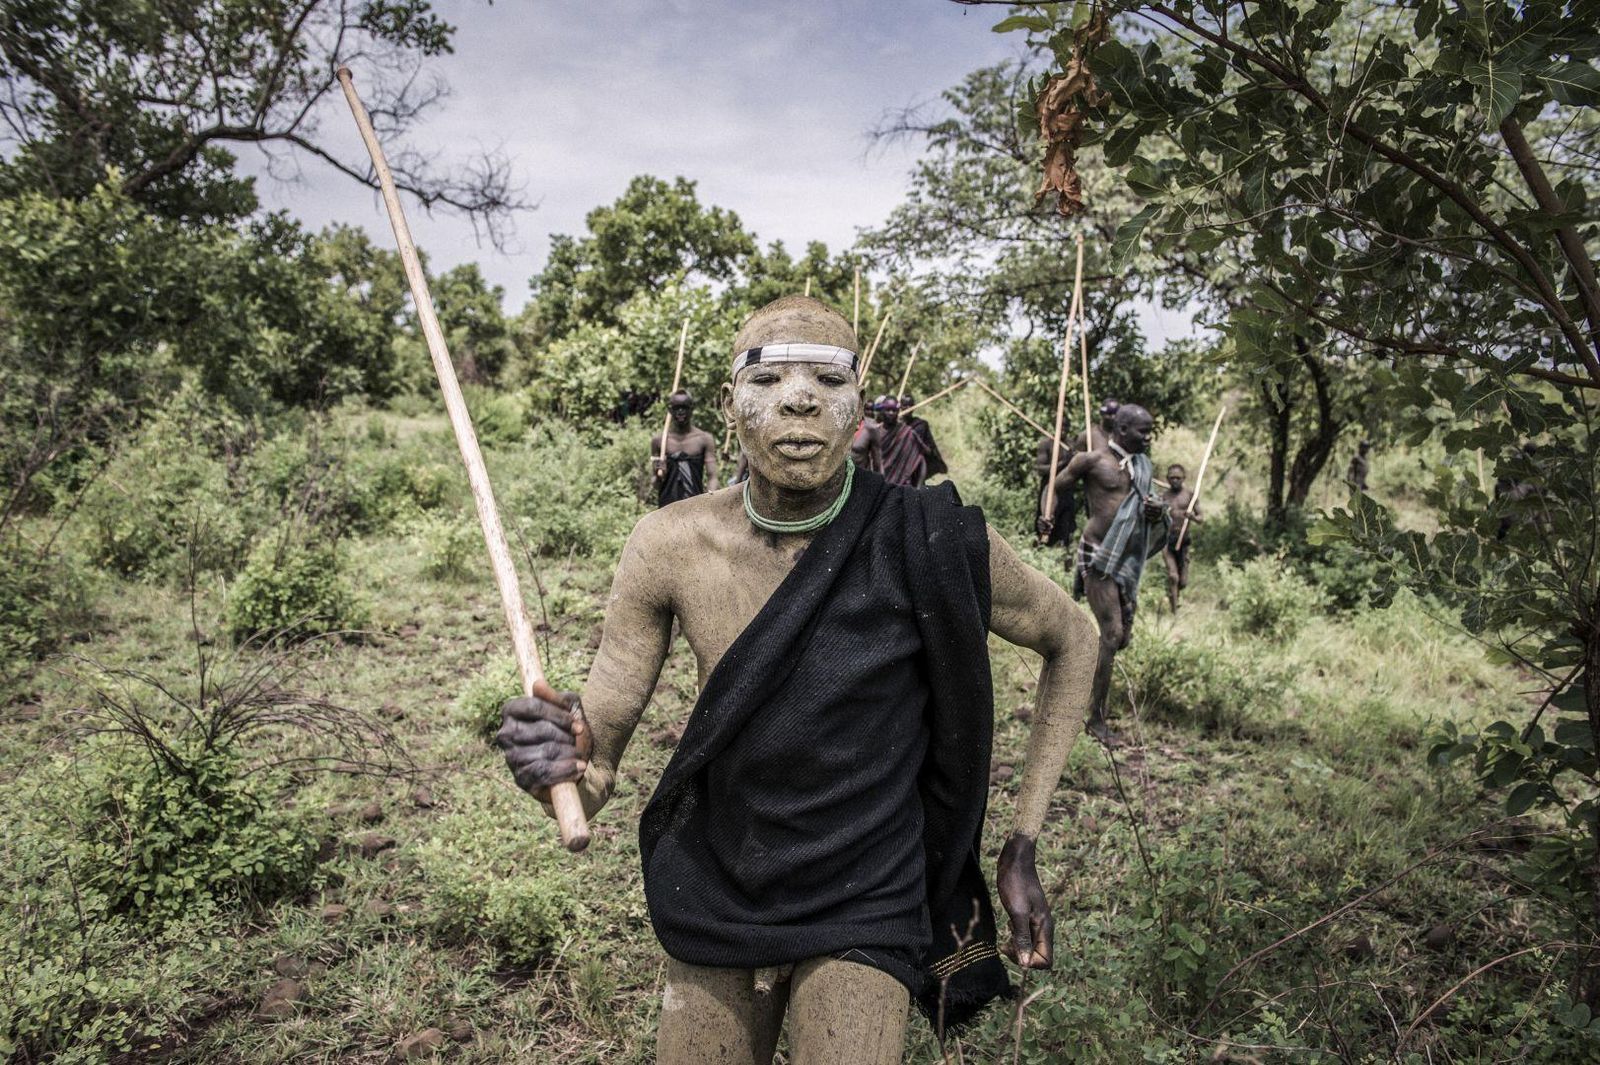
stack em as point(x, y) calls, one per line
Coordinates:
point(1313, 455)
point(1276, 399)
point(1589, 982)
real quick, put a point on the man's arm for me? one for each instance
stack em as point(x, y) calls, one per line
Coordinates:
point(539, 739)
point(657, 467)
point(1076, 470)
point(1032, 611)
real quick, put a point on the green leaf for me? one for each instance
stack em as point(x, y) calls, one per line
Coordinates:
point(1571, 82)
point(1522, 798)
point(1036, 23)
point(1499, 88)
point(1129, 232)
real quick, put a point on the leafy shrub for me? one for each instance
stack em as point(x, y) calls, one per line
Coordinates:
point(1349, 579)
point(500, 418)
point(166, 837)
point(565, 495)
point(511, 889)
point(40, 600)
point(171, 498)
point(289, 588)
point(1201, 911)
point(478, 705)
point(450, 547)
point(1218, 688)
point(1264, 598)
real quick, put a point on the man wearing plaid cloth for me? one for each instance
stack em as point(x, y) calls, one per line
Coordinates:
point(1127, 525)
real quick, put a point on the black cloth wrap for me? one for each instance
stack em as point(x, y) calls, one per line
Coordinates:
point(924, 431)
point(686, 476)
point(827, 797)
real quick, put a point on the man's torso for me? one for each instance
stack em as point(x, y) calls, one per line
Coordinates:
point(1106, 484)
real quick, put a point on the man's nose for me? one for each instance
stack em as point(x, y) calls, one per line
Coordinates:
point(800, 400)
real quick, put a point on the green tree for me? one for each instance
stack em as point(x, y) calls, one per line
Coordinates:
point(165, 93)
point(470, 314)
point(653, 234)
point(1418, 197)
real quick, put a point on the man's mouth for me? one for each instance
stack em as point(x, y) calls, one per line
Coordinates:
point(799, 447)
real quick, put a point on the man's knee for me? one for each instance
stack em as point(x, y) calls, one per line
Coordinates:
point(840, 1011)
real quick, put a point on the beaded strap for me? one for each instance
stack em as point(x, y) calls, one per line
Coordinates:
point(816, 521)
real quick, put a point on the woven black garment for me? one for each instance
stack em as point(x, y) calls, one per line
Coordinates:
point(828, 795)
point(686, 476)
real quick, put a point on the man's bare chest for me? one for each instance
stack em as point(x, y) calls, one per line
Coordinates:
point(717, 596)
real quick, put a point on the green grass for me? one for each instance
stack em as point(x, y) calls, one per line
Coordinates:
point(1259, 814)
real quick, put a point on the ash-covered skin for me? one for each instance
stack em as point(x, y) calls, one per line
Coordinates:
point(794, 421)
point(700, 563)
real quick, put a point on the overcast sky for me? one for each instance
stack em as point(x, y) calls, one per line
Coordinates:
point(769, 106)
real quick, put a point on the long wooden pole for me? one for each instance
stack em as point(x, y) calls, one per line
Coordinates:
point(564, 797)
point(936, 395)
point(1048, 504)
point(855, 323)
point(677, 377)
point(905, 378)
point(808, 287)
point(866, 364)
point(1200, 477)
point(1012, 407)
point(1088, 415)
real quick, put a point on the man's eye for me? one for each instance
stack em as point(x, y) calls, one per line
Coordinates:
point(764, 378)
point(832, 379)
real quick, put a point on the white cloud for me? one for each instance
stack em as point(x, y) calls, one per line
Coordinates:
point(768, 105)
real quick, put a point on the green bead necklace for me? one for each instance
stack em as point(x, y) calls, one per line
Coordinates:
point(805, 525)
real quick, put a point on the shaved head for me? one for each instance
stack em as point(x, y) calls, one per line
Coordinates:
point(795, 320)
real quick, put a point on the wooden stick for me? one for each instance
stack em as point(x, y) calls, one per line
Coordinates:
point(855, 323)
point(936, 395)
point(564, 797)
point(866, 364)
point(1088, 415)
point(1200, 477)
point(677, 376)
point(1048, 503)
point(905, 378)
point(808, 286)
point(1012, 407)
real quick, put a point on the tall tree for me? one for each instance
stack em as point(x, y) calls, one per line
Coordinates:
point(164, 93)
point(653, 233)
point(1421, 197)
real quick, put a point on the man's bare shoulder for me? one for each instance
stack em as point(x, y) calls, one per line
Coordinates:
point(683, 527)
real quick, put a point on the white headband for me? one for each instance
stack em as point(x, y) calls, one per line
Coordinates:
point(824, 353)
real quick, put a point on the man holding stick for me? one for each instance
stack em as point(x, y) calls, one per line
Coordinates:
point(812, 848)
point(924, 432)
point(685, 457)
point(1182, 507)
point(1127, 524)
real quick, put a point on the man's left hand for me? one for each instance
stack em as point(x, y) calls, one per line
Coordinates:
point(1154, 511)
point(1033, 930)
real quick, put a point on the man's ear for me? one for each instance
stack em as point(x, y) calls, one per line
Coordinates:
point(727, 402)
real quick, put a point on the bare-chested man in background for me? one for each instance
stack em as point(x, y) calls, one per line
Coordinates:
point(1184, 513)
point(818, 829)
point(690, 467)
point(1126, 525)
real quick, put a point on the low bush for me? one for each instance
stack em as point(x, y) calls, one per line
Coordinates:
point(1348, 579)
point(171, 497)
point(1217, 688)
point(509, 888)
point(478, 706)
point(41, 601)
point(451, 548)
point(292, 589)
point(500, 418)
point(1266, 598)
point(167, 837)
point(564, 495)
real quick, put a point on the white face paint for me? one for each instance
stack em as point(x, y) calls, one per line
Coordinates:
point(795, 421)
